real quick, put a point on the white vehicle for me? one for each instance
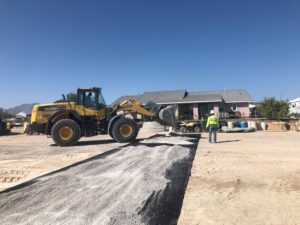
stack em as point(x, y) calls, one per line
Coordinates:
point(294, 107)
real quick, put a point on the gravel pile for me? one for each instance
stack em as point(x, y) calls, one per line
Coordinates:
point(131, 186)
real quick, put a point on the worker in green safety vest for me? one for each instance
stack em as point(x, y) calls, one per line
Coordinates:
point(212, 125)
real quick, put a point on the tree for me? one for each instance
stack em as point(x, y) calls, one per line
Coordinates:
point(4, 115)
point(273, 109)
point(71, 97)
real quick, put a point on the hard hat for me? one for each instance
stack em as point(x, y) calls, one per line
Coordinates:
point(212, 112)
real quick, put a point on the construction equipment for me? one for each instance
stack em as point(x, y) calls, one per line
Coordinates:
point(5, 128)
point(190, 126)
point(67, 121)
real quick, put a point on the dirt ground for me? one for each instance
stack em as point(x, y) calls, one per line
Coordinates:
point(251, 178)
point(246, 178)
point(24, 157)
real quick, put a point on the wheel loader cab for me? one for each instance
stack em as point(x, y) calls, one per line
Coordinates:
point(90, 98)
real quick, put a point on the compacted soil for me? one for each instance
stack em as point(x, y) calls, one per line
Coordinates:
point(246, 178)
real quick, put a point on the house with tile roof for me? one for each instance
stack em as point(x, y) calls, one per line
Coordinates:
point(194, 105)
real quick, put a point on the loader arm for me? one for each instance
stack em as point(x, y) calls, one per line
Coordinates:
point(163, 115)
point(133, 105)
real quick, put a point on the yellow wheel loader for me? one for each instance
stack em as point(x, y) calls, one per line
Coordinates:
point(67, 121)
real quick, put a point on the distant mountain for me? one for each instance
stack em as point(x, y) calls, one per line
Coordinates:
point(27, 108)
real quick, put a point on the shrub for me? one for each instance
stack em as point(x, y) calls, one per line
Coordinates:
point(273, 109)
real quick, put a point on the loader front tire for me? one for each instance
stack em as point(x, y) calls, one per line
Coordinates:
point(125, 130)
point(66, 132)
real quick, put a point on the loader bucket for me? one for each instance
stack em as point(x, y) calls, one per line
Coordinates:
point(167, 116)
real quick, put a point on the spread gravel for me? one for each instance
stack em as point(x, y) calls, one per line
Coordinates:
point(170, 140)
point(128, 186)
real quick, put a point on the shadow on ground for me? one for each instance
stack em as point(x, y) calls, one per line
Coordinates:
point(11, 134)
point(98, 142)
point(227, 141)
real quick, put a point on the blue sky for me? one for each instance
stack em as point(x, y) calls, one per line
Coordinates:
point(127, 47)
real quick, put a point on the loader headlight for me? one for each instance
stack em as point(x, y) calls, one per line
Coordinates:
point(39, 117)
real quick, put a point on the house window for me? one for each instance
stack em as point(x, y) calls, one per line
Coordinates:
point(186, 112)
point(221, 108)
point(210, 107)
point(233, 107)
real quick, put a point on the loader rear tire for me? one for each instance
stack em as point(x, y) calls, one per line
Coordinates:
point(125, 130)
point(66, 132)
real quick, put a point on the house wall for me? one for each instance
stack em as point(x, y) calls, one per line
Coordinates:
point(195, 111)
point(176, 110)
point(243, 108)
point(188, 111)
point(294, 107)
point(229, 107)
point(216, 108)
